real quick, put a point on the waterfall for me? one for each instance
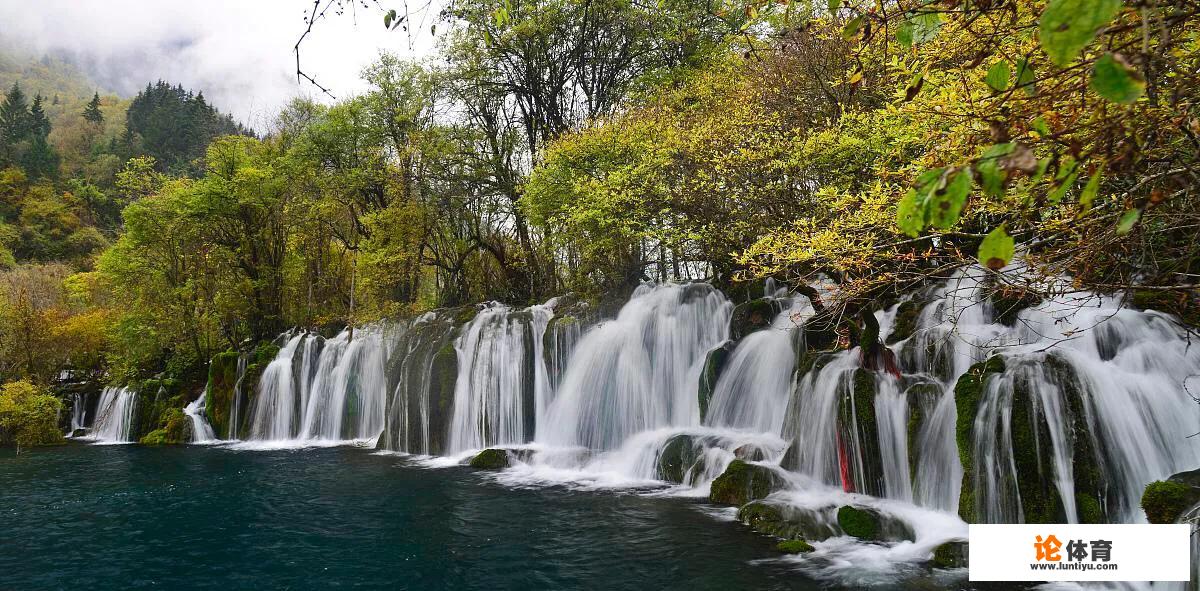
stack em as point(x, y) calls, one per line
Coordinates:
point(78, 413)
point(235, 411)
point(114, 416)
point(202, 432)
point(322, 390)
point(494, 391)
point(637, 372)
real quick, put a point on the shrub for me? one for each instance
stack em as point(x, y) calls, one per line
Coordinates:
point(28, 415)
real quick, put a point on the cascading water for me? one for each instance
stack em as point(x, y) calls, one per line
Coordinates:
point(637, 372)
point(78, 413)
point(114, 416)
point(202, 432)
point(1082, 405)
point(319, 390)
point(235, 411)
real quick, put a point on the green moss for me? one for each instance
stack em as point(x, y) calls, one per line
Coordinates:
point(950, 555)
point(968, 392)
point(491, 459)
point(714, 362)
point(443, 376)
point(794, 546)
point(751, 316)
point(1089, 509)
point(155, 437)
point(905, 324)
point(677, 458)
point(1008, 301)
point(857, 415)
point(859, 523)
point(742, 482)
point(222, 377)
point(1165, 501)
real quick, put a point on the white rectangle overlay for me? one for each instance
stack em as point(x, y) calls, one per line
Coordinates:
point(1064, 552)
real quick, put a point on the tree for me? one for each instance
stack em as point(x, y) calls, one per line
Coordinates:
point(15, 124)
point(28, 415)
point(92, 112)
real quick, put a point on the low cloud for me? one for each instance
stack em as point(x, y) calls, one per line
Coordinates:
point(238, 52)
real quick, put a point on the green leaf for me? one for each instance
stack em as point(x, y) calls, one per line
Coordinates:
point(387, 19)
point(1090, 190)
point(912, 215)
point(1067, 26)
point(925, 26)
point(1068, 171)
point(1115, 80)
point(998, 76)
point(997, 249)
point(834, 5)
point(1039, 125)
point(991, 174)
point(1127, 221)
point(904, 34)
point(852, 27)
point(1025, 77)
point(946, 205)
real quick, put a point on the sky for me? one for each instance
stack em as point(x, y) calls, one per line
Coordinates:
point(238, 52)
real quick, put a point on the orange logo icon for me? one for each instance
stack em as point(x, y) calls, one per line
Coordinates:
point(1048, 549)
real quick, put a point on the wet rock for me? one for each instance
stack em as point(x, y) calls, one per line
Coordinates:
point(491, 459)
point(1165, 501)
point(860, 523)
point(750, 453)
point(794, 546)
point(679, 456)
point(786, 521)
point(859, 434)
point(907, 316)
point(752, 316)
point(968, 393)
point(950, 555)
point(743, 482)
point(1008, 301)
point(714, 363)
point(222, 377)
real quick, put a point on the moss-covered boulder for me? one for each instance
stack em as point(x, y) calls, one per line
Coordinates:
point(908, 314)
point(443, 377)
point(491, 459)
point(786, 521)
point(968, 394)
point(222, 378)
point(1165, 501)
point(176, 429)
point(860, 523)
point(752, 316)
point(923, 398)
point(859, 434)
point(794, 547)
point(950, 555)
point(680, 456)
point(743, 482)
point(714, 363)
point(1007, 301)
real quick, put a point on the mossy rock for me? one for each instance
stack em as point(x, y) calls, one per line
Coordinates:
point(222, 377)
point(908, 314)
point(714, 363)
point(752, 316)
point(443, 376)
point(968, 393)
point(923, 398)
point(859, 429)
point(491, 459)
point(1008, 301)
point(794, 547)
point(175, 429)
point(1184, 305)
point(155, 437)
point(859, 523)
point(785, 521)
point(1165, 501)
point(678, 457)
point(950, 555)
point(743, 482)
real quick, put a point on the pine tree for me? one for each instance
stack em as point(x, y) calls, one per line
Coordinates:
point(92, 111)
point(14, 124)
point(39, 124)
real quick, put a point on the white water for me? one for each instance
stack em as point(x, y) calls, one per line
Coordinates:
point(595, 406)
point(202, 432)
point(114, 416)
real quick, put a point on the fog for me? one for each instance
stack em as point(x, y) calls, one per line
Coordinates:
point(238, 52)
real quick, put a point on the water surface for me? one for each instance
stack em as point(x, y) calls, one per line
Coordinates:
point(131, 517)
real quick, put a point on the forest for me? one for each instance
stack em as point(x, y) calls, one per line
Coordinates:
point(587, 146)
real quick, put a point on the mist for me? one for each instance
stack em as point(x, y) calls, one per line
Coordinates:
point(238, 53)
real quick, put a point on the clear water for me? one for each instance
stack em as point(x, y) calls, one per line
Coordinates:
point(208, 517)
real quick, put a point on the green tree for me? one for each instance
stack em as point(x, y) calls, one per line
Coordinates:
point(92, 113)
point(28, 415)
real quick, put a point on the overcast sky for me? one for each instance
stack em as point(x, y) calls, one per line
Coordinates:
point(238, 52)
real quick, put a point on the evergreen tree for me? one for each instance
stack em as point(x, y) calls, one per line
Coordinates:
point(92, 111)
point(39, 124)
point(175, 126)
point(14, 124)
